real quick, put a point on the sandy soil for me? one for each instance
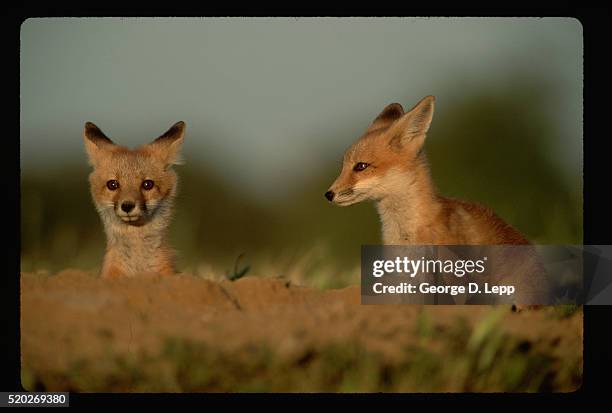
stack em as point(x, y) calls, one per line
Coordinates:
point(73, 316)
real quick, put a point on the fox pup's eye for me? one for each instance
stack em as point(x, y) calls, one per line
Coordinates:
point(112, 185)
point(360, 166)
point(147, 184)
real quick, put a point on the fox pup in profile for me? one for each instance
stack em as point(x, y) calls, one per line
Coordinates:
point(133, 191)
point(387, 165)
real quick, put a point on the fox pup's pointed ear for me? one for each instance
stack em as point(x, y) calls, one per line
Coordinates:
point(168, 146)
point(95, 141)
point(389, 114)
point(411, 128)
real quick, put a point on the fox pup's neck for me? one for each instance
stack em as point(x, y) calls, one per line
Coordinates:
point(409, 209)
point(148, 237)
point(132, 249)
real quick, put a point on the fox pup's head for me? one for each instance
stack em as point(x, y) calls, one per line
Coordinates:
point(389, 152)
point(132, 187)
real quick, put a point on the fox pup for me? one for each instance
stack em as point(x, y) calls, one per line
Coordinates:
point(387, 165)
point(133, 191)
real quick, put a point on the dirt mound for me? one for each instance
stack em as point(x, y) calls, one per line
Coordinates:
point(82, 333)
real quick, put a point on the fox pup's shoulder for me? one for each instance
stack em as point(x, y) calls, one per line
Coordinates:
point(477, 219)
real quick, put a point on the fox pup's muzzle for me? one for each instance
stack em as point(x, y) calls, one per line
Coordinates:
point(131, 212)
point(329, 195)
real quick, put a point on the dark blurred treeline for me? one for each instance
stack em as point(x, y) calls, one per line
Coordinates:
point(496, 149)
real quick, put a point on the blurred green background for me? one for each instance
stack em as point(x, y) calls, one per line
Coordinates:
point(271, 105)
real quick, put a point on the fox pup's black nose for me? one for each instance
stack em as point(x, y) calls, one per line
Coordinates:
point(127, 206)
point(329, 195)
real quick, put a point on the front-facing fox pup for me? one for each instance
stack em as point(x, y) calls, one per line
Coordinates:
point(133, 191)
point(387, 165)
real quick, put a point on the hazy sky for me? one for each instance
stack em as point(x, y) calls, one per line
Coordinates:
point(267, 99)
